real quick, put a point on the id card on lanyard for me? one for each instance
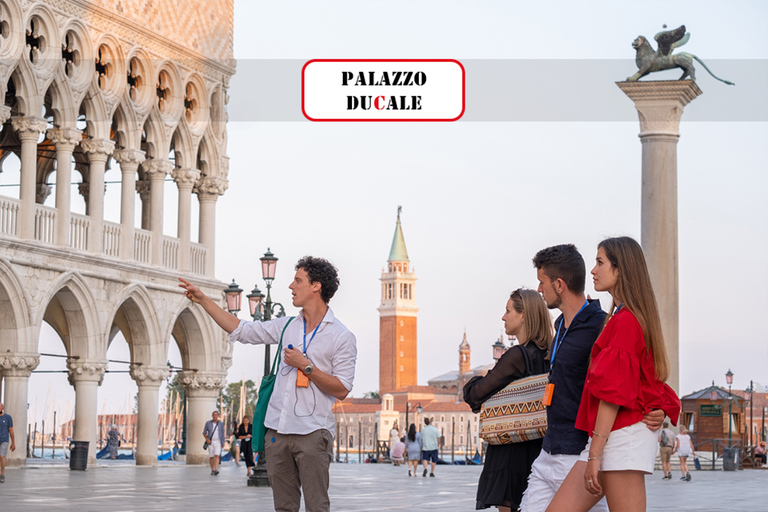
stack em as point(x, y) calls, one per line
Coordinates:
point(549, 390)
point(302, 380)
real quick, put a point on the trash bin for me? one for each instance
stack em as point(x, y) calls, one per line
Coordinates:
point(731, 459)
point(78, 455)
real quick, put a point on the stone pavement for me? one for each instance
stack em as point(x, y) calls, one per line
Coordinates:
point(121, 486)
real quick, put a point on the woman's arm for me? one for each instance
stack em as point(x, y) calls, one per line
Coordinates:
point(606, 416)
point(510, 367)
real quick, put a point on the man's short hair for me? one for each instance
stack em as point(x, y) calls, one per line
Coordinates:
point(563, 262)
point(321, 271)
point(426, 421)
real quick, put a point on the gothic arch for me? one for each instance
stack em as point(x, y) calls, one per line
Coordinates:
point(29, 101)
point(97, 113)
point(135, 317)
point(71, 311)
point(183, 147)
point(14, 312)
point(197, 343)
point(157, 145)
point(46, 32)
point(208, 156)
point(61, 106)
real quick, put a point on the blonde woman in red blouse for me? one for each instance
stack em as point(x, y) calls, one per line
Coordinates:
point(628, 368)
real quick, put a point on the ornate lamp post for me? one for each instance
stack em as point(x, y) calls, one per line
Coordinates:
point(498, 349)
point(729, 381)
point(261, 310)
point(748, 396)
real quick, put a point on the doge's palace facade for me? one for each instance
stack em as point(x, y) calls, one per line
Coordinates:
point(88, 86)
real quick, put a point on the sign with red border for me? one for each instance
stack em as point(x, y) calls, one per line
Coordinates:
point(383, 90)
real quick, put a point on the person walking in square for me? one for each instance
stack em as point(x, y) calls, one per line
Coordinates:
point(684, 449)
point(429, 440)
point(317, 368)
point(244, 436)
point(507, 466)
point(666, 447)
point(7, 439)
point(113, 441)
point(213, 432)
point(413, 446)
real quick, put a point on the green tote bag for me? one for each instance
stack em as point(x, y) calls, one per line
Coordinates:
point(265, 393)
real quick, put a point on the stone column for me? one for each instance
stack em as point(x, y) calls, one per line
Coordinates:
point(97, 150)
point(86, 377)
point(208, 191)
point(185, 179)
point(660, 106)
point(142, 187)
point(28, 128)
point(148, 379)
point(65, 140)
point(129, 160)
point(157, 169)
point(16, 370)
point(202, 390)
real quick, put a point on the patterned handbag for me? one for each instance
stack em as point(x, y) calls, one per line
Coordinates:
point(516, 413)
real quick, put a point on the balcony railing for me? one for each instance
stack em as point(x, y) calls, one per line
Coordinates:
point(45, 231)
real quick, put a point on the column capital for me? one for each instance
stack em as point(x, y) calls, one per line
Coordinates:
point(43, 191)
point(18, 365)
point(660, 103)
point(97, 150)
point(142, 187)
point(128, 156)
point(5, 113)
point(211, 186)
point(157, 168)
point(202, 384)
point(65, 139)
point(150, 376)
point(85, 371)
point(185, 177)
point(29, 127)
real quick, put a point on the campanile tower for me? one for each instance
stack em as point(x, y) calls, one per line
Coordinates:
point(397, 334)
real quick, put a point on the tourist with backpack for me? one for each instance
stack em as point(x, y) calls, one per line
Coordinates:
point(666, 445)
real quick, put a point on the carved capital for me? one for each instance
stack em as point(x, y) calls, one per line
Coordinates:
point(98, 150)
point(130, 158)
point(211, 186)
point(157, 168)
point(65, 139)
point(143, 188)
point(660, 104)
point(19, 365)
point(226, 363)
point(151, 376)
point(84, 188)
point(43, 191)
point(202, 384)
point(85, 371)
point(185, 178)
point(5, 113)
point(29, 127)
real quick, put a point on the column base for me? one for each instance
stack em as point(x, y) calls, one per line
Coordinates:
point(193, 459)
point(14, 463)
point(146, 460)
point(259, 477)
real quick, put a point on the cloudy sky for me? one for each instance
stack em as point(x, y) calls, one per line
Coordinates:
point(547, 153)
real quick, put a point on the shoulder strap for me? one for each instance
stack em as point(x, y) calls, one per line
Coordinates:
point(278, 356)
point(527, 358)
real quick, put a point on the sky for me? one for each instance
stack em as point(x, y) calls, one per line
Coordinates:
point(546, 153)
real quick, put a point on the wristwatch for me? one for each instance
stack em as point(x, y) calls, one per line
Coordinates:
point(309, 368)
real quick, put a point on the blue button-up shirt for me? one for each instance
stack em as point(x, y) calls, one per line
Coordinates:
point(568, 374)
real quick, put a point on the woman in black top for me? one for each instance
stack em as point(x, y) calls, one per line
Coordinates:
point(505, 473)
point(244, 434)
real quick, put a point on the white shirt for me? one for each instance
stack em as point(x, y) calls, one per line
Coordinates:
point(295, 410)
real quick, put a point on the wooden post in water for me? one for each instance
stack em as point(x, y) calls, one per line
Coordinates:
point(453, 438)
point(53, 456)
point(360, 441)
point(42, 450)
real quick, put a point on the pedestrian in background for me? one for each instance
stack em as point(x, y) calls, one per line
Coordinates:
point(429, 437)
point(213, 432)
point(505, 474)
point(235, 443)
point(113, 441)
point(413, 449)
point(244, 436)
point(666, 447)
point(6, 438)
point(684, 449)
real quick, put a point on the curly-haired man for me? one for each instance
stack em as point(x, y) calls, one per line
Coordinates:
point(318, 367)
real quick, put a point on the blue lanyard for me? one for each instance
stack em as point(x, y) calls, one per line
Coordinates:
point(558, 339)
point(618, 308)
point(306, 345)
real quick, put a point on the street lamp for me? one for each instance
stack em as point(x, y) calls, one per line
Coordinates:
point(729, 381)
point(748, 396)
point(498, 349)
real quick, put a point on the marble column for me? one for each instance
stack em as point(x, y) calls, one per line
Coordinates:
point(202, 390)
point(208, 191)
point(659, 107)
point(142, 188)
point(86, 377)
point(97, 150)
point(28, 128)
point(129, 160)
point(157, 169)
point(148, 379)
point(16, 369)
point(65, 140)
point(185, 179)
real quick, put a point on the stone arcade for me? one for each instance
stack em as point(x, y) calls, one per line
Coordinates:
point(93, 85)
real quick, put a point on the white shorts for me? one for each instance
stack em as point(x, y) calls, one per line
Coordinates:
point(214, 449)
point(631, 448)
point(547, 475)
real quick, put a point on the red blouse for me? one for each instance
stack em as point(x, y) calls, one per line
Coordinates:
point(622, 373)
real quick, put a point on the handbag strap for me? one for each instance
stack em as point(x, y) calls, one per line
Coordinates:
point(527, 358)
point(278, 356)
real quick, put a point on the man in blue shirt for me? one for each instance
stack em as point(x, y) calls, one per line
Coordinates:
point(561, 273)
point(6, 435)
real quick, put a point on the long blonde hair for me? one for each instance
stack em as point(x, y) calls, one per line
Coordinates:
point(634, 289)
point(538, 323)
